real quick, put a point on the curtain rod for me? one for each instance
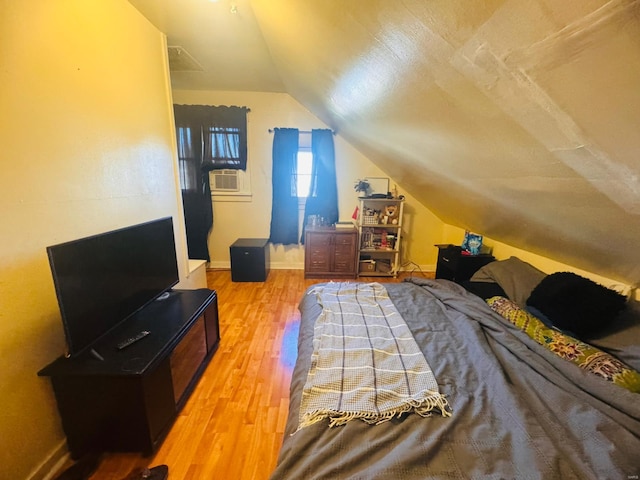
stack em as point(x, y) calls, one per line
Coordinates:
point(333, 132)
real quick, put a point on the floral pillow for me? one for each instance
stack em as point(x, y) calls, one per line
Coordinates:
point(581, 354)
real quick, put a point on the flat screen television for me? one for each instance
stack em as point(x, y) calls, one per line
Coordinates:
point(102, 280)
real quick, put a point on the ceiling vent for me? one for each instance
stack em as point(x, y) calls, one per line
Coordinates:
point(181, 61)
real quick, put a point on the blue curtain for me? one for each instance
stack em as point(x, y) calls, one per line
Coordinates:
point(284, 210)
point(323, 194)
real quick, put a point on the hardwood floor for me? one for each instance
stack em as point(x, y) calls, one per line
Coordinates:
point(232, 426)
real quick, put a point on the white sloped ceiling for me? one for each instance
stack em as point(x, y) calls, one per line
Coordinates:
point(518, 119)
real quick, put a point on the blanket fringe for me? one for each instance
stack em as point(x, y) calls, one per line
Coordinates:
point(424, 408)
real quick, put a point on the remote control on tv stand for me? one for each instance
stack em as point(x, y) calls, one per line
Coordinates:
point(134, 339)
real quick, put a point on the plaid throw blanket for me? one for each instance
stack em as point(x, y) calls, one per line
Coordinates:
point(365, 362)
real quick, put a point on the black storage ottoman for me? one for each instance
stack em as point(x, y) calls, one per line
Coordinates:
point(249, 260)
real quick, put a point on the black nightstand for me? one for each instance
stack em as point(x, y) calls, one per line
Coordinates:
point(249, 260)
point(453, 265)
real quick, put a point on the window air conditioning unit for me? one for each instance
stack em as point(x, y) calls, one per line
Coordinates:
point(225, 181)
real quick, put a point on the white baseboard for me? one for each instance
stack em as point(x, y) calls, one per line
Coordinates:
point(287, 266)
point(222, 265)
point(219, 265)
point(51, 465)
point(418, 268)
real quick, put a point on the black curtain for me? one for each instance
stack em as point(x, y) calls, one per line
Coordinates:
point(208, 137)
point(284, 210)
point(323, 194)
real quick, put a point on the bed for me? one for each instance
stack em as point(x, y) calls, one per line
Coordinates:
point(514, 408)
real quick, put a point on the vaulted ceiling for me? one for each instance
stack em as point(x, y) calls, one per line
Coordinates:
point(518, 119)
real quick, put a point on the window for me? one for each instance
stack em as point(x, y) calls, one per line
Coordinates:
point(229, 174)
point(213, 139)
point(292, 162)
point(188, 161)
point(224, 150)
point(305, 163)
point(303, 182)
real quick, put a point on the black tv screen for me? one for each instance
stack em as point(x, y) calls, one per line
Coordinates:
point(102, 280)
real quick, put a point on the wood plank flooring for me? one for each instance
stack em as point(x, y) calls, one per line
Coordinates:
point(233, 424)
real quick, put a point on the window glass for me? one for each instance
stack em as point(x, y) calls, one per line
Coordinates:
point(305, 163)
point(225, 146)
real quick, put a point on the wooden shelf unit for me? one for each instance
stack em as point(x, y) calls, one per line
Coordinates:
point(379, 236)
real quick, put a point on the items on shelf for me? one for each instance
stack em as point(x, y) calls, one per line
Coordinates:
point(377, 238)
point(366, 266)
point(387, 215)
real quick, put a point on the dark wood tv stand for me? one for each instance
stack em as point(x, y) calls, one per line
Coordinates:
point(127, 400)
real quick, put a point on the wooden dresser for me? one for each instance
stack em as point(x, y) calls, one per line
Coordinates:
point(330, 252)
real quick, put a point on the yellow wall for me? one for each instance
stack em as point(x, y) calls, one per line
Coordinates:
point(502, 251)
point(87, 146)
point(252, 218)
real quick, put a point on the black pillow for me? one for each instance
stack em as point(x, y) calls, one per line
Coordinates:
point(484, 290)
point(576, 304)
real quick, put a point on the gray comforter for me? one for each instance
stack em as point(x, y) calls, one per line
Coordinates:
point(519, 411)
